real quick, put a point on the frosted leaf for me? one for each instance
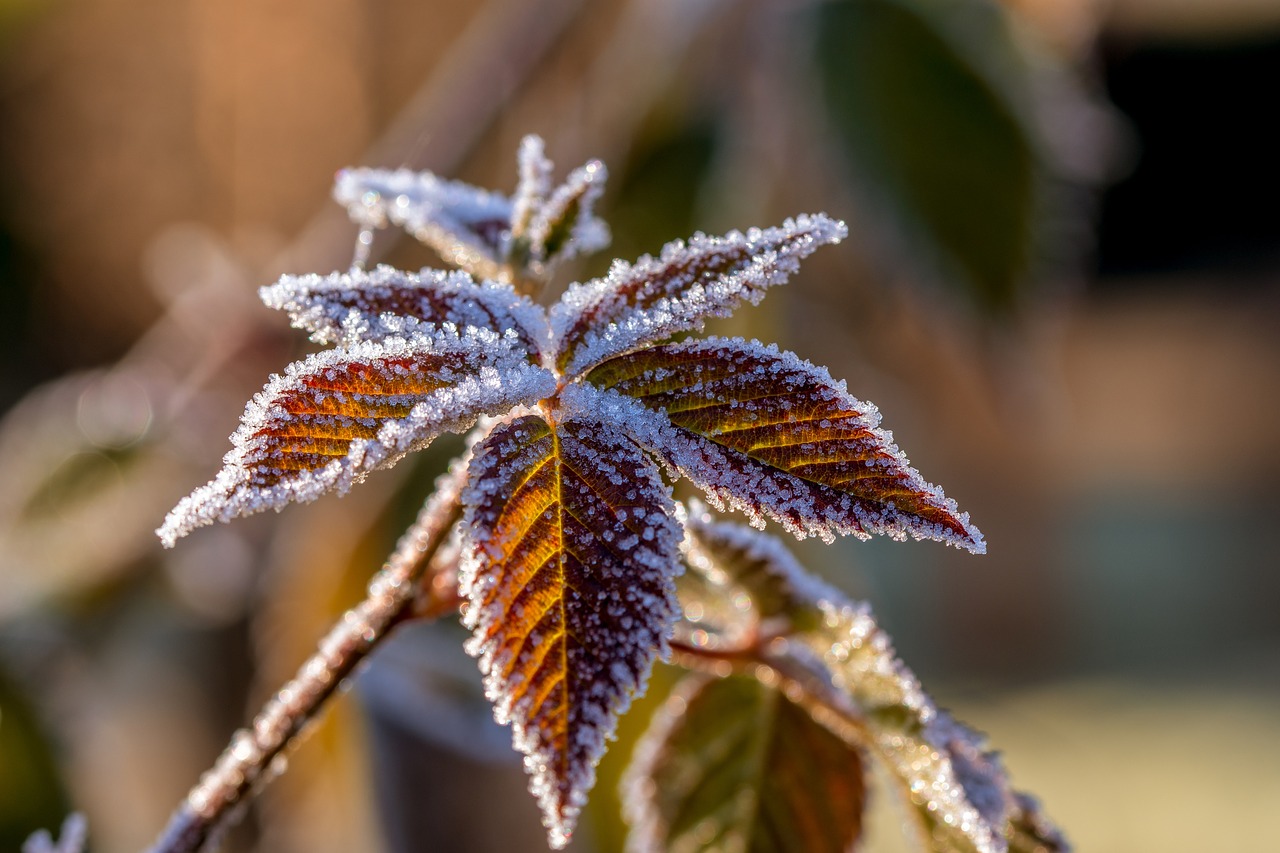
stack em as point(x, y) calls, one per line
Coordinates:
point(959, 792)
point(74, 837)
point(654, 298)
point(486, 233)
point(770, 434)
point(340, 414)
point(566, 226)
point(568, 572)
point(733, 766)
point(1030, 831)
point(467, 226)
point(534, 185)
point(368, 306)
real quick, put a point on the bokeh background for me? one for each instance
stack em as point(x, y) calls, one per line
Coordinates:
point(1062, 289)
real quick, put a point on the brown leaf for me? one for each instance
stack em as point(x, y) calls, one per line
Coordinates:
point(568, 572)
point(340, 414)
point(770, 434)
point(732, 765)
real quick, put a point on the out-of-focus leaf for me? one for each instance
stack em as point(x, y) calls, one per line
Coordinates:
point(933, 137)
point(1030, 831)
point(732, 765)
point(31, 794)
point(571, 550)
point(485, 233)
point(957, 790)
point(776, 437)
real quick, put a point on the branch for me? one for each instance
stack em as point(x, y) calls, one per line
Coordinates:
point(250, 760)
point(771, 664)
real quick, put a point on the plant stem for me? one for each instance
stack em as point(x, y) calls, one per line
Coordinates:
point(798, 681)
point(255, 754)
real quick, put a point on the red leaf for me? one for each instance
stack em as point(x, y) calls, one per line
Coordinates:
point(337, 415)
point(773, 435)
point(655, 298)
point(369, 306)
point(572, 550)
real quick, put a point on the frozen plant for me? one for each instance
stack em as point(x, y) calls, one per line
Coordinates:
point(577, 568)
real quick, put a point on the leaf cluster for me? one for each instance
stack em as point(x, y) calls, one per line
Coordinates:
point(576, 566)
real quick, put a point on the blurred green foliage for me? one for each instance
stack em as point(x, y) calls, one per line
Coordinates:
point(932, 138)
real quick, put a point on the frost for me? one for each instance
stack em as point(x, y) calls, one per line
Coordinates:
point(340, 414)
point(958, 787)
point(767, 433)
point(75, 834)
point(485, 233)
point(655, 298)
point(462, 223)
point(570, 592)
point(356, 306)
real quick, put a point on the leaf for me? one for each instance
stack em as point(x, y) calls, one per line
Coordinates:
point(654, 298)
point(534, 185)
point(958, 791)
point(337, 415)
point(754, 570)
point(467, 226)
point(732, 765)
point(1030, 831)
point(548, 227)
point(568, 573)
point(770, 434)
point(355, 306)
point(485, 233)
point(565, 226)
point(933, 136)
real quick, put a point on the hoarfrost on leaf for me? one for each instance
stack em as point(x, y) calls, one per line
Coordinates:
point(570, 555)
point(347, 308)
point(772, 435)
point(340, 414)
point(655, 298)
point(486, 233)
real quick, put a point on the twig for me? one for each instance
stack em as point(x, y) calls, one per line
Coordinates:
point(777, 667)
point(249, 760)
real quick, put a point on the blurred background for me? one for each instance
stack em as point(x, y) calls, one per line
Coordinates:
point(1062, 289)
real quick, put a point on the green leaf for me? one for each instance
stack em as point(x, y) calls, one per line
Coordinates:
point(933, 136)
point(733, 765)
point(956, 790)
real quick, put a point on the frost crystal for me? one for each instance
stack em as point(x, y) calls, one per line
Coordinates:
point(655, 298)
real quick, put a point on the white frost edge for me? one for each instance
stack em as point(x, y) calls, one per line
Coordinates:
point(623, 328)
point(534, 183)
point(306, 299)
point(709, 466)
point(596, 733)
point(501, 381)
